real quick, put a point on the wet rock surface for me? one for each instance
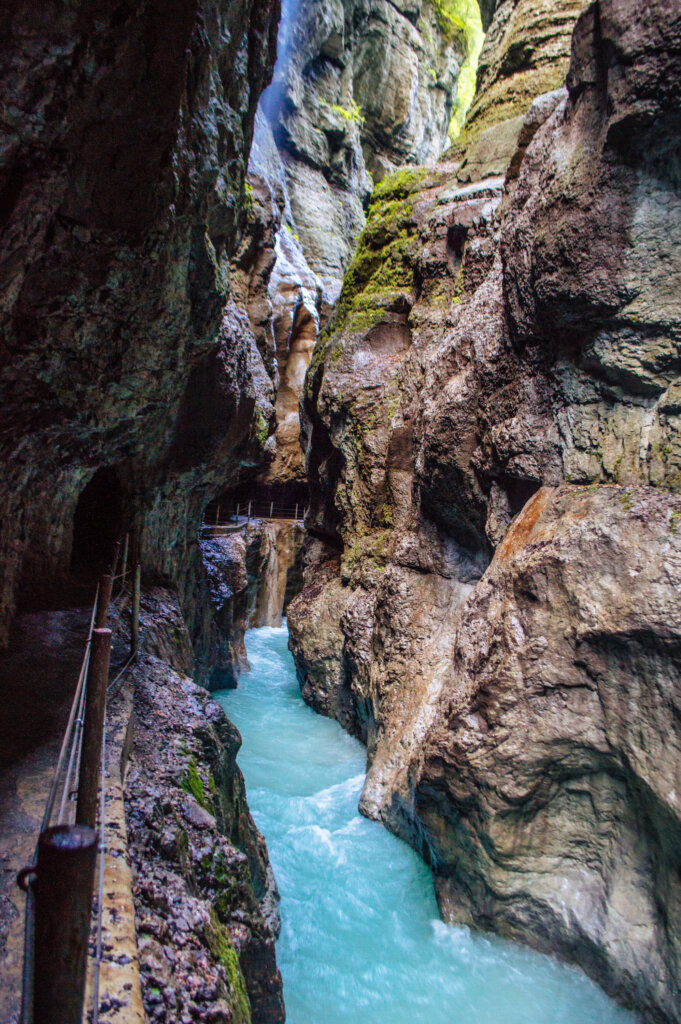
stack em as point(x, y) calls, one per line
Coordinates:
point(249, 576)
point(205, 897)
point(506, 326)
point(545, 786)
point(127, 135)
point(359, 89)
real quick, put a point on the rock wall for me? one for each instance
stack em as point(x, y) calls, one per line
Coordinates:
point(510, 324)
point(359, 89)
point(249, 576)
point(127, 134)
point(205, 897)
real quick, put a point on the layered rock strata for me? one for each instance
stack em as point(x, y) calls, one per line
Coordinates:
point(510, 323)
point(205, 897)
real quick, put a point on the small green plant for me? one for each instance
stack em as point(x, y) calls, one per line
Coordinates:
point(627, 500)
point(261, 428)
point(353, 114)
point(674, 521)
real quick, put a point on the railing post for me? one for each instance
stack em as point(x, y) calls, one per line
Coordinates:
point(63, 903)
point(136, 593)
point(217, 516)
point(249, 510)
point(237, 511)
point(103, 599)
point(296, 515)
point(126, 545)
point(271, 510)
point(93, 726)
point(114, 560)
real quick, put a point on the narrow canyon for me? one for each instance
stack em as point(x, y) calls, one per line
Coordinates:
point(340, 404)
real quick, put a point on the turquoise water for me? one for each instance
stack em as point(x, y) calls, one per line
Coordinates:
point(361, 940)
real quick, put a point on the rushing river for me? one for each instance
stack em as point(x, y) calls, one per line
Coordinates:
point(361, 940)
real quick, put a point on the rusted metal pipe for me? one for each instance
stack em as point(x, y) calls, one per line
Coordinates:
point(136, 595)
point(93, 726)
point(63, 903)
point(103, 599)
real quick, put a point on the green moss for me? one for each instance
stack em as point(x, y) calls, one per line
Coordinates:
point(462, 18)
point(222, 948)
point(261, 428)
point(353, 113)
point(674, 521)
point(459, 286)
point(399, 184)
point(192, 783)
point(370, 548)
point(392, 407)
point(382, 265)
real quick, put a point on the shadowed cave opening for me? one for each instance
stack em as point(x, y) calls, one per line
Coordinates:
point(97, 523)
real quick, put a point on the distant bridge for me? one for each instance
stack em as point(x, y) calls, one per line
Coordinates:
point(227, 518)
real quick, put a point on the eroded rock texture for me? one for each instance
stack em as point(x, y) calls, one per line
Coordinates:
point(126, 138)
point(511, 322)
point(359, 89)
point(205, 897)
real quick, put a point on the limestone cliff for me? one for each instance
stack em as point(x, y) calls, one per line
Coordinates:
point(510, 322)
point(133, 389)
point(359, 89)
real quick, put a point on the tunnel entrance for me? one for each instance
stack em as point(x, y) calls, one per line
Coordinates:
point(97, 523)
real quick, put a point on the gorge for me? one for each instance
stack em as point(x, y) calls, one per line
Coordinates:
point(408, 270)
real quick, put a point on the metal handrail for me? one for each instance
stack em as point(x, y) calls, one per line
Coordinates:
point(69, 767)
point(219, 515)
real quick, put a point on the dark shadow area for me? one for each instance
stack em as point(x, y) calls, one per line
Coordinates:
point(286, 500)
point(519, 492)
point(97, 523)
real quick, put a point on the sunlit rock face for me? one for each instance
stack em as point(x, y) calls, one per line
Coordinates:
point(359, 89)
point(510, 323)
point(296, 304)
point(127, 134)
